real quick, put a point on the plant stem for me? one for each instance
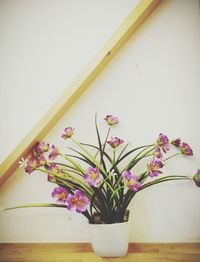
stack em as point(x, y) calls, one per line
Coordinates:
point(75, 164)
point(143, 154)
point(163, 179)
point(104, 145)
point(86, 214)
point(128, 153)
point(91, 156)
point(172, 156)
point(114, 152)
point(35, 205)
point(129, 195)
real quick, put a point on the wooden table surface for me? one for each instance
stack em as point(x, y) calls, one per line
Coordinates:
point(59, 252)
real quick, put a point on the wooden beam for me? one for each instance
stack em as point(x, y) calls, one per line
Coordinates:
point(79, 85)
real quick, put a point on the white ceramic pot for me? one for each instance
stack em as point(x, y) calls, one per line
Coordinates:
point(110, 240)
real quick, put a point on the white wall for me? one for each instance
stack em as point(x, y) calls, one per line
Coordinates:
point(153, 86)
point(44, 45)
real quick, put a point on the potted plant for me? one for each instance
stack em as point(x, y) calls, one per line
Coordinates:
point(99, 182)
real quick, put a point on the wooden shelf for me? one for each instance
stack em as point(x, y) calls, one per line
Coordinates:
point(58, 252)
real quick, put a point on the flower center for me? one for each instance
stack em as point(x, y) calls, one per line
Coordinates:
point(132, 183)
point(93, 176)
point(61, 196)
point(78, 202)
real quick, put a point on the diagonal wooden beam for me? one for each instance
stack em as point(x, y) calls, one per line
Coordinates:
point(79, 85)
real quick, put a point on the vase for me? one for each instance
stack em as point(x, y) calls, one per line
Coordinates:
point(110, 240)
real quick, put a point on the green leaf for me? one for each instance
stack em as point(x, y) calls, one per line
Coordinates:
point(106, 155)
point(127, 154)
point(87, 160)
point(163, 179)
point(91, 157)
point(36, 205)
point(75, 164)
point(100, 146)
point(82, 159)
point(86, 214)
point(122, 152)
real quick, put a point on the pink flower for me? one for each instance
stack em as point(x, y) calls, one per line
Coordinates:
point(41, 160)
point(31, 165)
point(131, 181)
point(154, 167)
point(42, 147)
point(68, 132)
point(54, 153)
point(52, 168)
point(93, 176)
point(157, 152)
point(186, 149)
point(176, 142)
point(51, 178)
point(60, 193)
point(35, 152)
point(115, 142)
point(196, 178)
point(78, 201)
point(163, 142)
point(111, 120)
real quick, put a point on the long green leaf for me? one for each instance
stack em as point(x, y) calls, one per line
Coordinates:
point(75, 164)
point(82, 159)
point(128, 153)
point(130, 195)
point(87, 160)
point(135, 160)
point(106, 155)
point(36, 205)
point(163, 179)
point(91, 156)
point(86, 214)
point(78, 182)
point(68, 166)
point(105, 142)
point(122, 152)
point(100, 146)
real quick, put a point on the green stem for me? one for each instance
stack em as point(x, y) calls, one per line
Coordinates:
point(172, 156)
point(133, 163)
point(86, 214)
point(91, 156)
point(143, 176)
point(107, 156)
point(128, 153)
point(163, 179)
point(104, 145)
point(129, 195)
point(85, 158)
point(36, 205)
point(75, 164)
point(114, 152)
point(141, 154)
point(71, 171)
point(61, 164)
point(81, 183)
point(115, 191)
point(122, 152)
point(100, 145)
point(108, 184)
point(66, 181)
